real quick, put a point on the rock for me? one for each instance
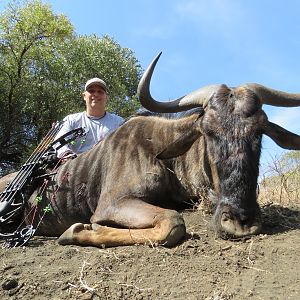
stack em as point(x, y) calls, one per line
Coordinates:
point(9, 284)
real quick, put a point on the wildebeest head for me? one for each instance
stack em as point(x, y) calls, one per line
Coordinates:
point(232, 126)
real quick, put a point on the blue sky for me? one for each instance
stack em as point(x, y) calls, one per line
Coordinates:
point(203, 42)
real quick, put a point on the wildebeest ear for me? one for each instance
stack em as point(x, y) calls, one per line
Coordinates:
point(180, 146)
point(282, 137)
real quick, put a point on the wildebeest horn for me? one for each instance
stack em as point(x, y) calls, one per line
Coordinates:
point(274, 97)
point(194, 99)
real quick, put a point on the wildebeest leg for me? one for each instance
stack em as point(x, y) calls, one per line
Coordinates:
point(144, 224)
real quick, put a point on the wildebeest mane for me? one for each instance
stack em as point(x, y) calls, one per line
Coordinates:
point(171, 116)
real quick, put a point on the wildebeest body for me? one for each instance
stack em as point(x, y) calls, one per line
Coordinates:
point(127, 188)
point(125, 164)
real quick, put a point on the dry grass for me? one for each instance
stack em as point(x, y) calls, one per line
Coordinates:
point(280, 184)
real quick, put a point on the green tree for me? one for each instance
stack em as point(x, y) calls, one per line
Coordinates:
point(23, 33)
point(44, 66)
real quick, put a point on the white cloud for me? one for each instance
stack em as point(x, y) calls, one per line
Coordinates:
point(204, 16)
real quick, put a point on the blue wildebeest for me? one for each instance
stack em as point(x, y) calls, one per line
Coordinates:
point(126, 189)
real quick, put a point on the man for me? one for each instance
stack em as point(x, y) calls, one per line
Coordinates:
point(95, 120)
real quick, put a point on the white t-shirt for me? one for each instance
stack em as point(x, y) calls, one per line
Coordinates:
point(96, 129)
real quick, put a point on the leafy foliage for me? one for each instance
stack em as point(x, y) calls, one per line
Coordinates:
point(44, 66)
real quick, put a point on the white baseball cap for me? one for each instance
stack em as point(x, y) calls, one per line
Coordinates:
point(96, 81)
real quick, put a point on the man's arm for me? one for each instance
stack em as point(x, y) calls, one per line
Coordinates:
point(65, 151)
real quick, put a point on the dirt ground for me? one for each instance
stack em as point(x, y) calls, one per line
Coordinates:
point(266, 266)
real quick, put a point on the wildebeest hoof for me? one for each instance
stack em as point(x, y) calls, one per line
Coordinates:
point(176, 235)
point(67, 238)
point(95, 226)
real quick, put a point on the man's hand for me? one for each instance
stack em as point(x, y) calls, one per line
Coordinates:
point(68, 155)
point(50, 159)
